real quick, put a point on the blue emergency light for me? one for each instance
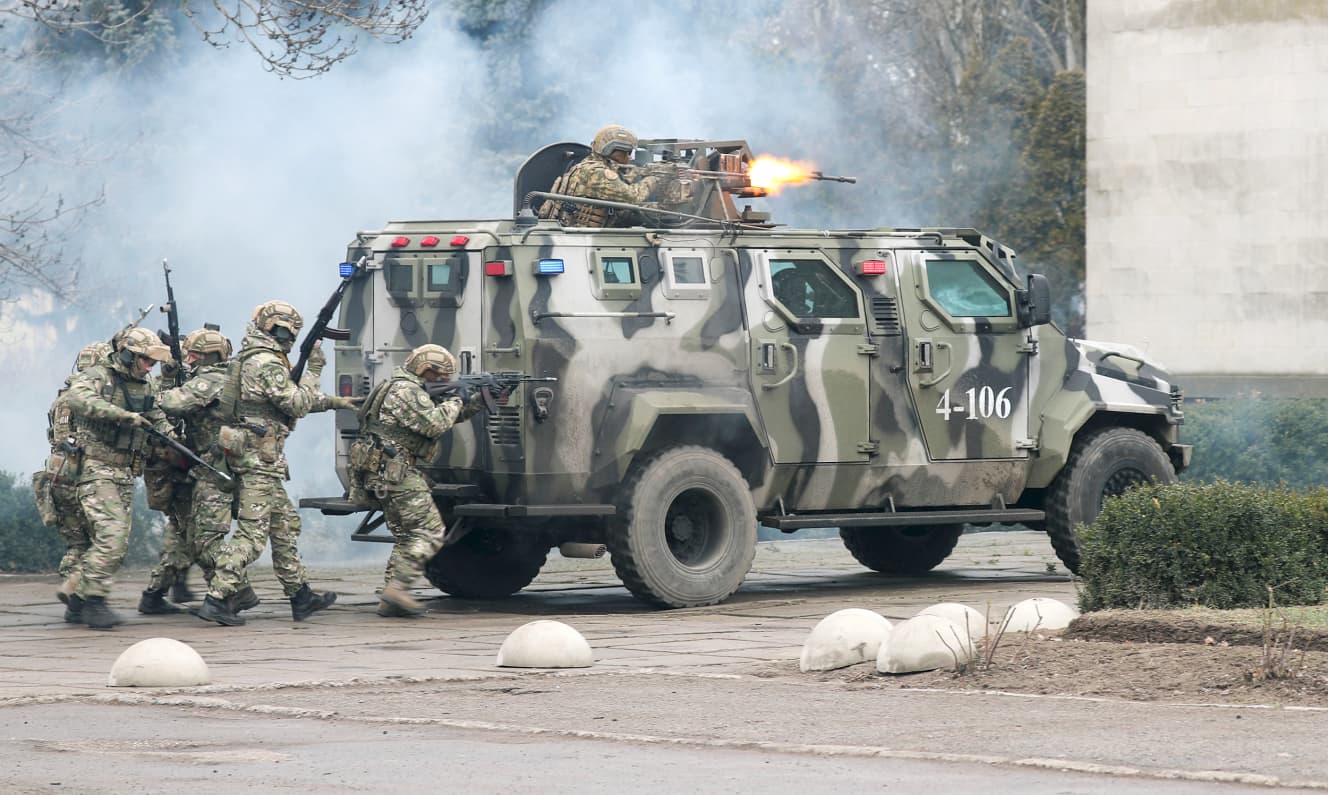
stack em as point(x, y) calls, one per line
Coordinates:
point(346, 269)
point(548, 267)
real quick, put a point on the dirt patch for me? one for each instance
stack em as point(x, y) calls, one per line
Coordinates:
point(1171, 626)
point(1120, 656)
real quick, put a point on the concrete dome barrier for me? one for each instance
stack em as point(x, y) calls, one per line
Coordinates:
point(545, 644)
point(1039, 613)
point(159, 662)
point(843, 638)
point(925, 643)
point(961, 614)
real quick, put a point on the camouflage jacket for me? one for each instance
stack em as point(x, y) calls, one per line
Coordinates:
point(101, 402)
point(267, 402)
point(597, 177)
point(403, 414)
point(59, 423)
point(197, 404)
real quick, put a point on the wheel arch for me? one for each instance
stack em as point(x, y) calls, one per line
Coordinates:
point(1065, 421)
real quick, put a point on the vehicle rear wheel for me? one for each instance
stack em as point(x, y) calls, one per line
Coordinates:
point(1103, 463)
point(487, 563)
point(901, 550)
point(685, 533)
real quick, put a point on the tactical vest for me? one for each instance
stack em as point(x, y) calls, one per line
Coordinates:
point(115, 443)
point(201, 428)
point(232, 406)
point(418, 446)
point(59, 421)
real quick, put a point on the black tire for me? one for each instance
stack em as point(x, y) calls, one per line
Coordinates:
point(901, 550)
point(486, 563)
point(1102, 463)
point(685, 532)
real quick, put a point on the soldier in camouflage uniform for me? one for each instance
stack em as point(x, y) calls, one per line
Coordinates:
point(169, 490)
point(207, 352)
point(605, 173)
point(56, 486)
point(401, 426)
point(109, 404)
point(259, 407)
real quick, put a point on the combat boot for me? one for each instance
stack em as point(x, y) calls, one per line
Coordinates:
point(98, 615)
point(67, 589)
point(74, 609)
point(218, 610)
point(153, 603)
point(180, 593)
point(243, 599)
point(306, 602)
point(398, 603)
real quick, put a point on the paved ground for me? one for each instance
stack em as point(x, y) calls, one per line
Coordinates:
point(793, 585)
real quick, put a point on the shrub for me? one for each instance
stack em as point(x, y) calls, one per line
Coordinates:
point(27, 545)
point(1258, 440)
point(1218, 545)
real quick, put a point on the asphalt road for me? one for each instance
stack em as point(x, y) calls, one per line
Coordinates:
point(677, 701)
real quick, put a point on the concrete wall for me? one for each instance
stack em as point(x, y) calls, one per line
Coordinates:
point(1208, 188)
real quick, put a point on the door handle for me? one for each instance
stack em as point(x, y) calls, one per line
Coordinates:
point(793, 366)
point(767, 357)
point(949, 362)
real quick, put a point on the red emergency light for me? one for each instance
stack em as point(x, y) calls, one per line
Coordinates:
point(400, 242)
point(430, 241)
point(872, 267)
point(500, 267)
point(460, 240)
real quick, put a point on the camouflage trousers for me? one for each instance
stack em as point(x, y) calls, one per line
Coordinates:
point(106, 494)
point(266, 515)
point(210, 515)
point(73, 528)
point(176, 552)
point(413, 518)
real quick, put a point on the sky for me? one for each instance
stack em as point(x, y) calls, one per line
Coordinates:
point(251, 185)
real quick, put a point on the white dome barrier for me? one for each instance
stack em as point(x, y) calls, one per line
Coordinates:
point(1038, 613)
point(843, 638)
point(925, 643)
point(545, 644)
point(963, 615)
point(159, 662)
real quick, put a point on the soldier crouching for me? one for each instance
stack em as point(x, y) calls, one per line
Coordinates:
point(109, 404)
point(259, 407)
point(401, 426)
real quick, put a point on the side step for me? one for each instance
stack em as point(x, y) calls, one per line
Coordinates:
point(904, 518)
point(340, 506)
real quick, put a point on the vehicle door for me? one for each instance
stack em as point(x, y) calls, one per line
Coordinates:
point(809, 364)
point(968, 359)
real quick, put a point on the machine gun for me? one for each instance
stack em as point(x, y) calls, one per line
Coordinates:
point(189, 455)
point(173, 326)
point(491, 386)
point(320, 330)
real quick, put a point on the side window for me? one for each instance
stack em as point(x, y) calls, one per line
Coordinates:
point(688, 270)
point(809, 289)
point(686, 274)
point(616, 274)
point(445, 279)
point(617, 270)
point(964, 289)
point(400, 277)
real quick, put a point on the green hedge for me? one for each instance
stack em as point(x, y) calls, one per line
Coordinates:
point(1218, 545)
point(1258, 440)
point(26, 545)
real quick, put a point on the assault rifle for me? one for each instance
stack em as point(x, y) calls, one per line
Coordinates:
point(172, 326)
point(320, 330)
point(188, 454)
point(490, 386)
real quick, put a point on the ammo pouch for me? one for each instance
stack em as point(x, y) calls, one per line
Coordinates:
point(41, 491)
point(395, 469)
point(64, 466)
point(233, 441)
point(159, 486)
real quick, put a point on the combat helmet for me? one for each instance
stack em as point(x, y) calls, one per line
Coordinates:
point(273, 314)
point(90, 355)
point(206, 342)
point(613, 138)
point(428, 357)
point(142, 342)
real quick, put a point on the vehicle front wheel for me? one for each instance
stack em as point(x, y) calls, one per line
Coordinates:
point(1103, 463)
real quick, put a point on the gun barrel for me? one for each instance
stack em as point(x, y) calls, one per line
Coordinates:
point(829, 178)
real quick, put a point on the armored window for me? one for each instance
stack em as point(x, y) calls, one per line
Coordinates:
point(618, 270)
point(808, 288)
point(445, 279)
point(440, 276)
point(964, 289)
point(688, 270)
point(400, 277)
point(686, 274)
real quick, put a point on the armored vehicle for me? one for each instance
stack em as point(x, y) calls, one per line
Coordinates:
point(715, 371)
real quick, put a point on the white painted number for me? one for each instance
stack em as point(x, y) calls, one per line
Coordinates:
point(983, 404)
